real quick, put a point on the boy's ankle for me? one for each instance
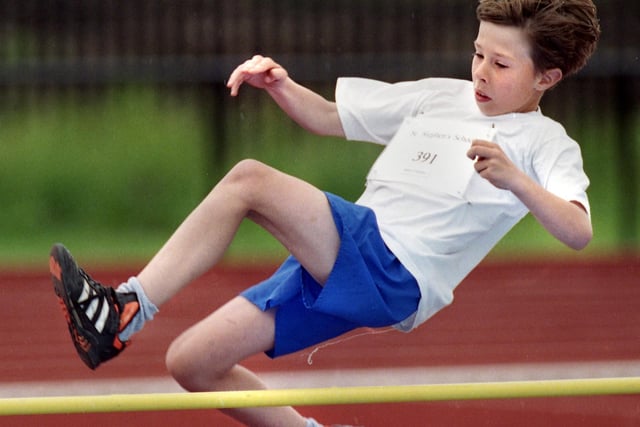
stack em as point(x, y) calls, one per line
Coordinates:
point(134, 318)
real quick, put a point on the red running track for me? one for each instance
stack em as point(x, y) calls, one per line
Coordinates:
point(504, 313)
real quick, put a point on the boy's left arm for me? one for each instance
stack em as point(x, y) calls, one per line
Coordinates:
point(568, 221)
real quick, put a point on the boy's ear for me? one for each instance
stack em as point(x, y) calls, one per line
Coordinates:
point(549, 78)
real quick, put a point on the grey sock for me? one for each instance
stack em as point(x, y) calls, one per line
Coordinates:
point(147, 308)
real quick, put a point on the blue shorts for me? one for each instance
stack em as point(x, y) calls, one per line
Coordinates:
point(367, 287)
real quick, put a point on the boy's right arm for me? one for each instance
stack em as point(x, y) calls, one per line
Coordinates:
point(310, 110)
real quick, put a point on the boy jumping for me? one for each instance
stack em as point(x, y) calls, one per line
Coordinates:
point(429, 213)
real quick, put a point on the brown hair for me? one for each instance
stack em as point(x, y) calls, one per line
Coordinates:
point(563, 33)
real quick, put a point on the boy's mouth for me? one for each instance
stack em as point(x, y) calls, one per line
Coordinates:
point(481, 97)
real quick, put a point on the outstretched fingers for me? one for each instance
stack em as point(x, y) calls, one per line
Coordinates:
point(258, 71)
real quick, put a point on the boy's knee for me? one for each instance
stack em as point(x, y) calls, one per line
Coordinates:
point(246, 181)
point(247, 171)
point(182, 367)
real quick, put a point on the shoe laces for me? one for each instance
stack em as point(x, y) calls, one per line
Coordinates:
point(95, 301)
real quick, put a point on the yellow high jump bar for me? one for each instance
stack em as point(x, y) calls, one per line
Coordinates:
point(318, 396)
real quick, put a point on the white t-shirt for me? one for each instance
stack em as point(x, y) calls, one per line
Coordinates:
point(440, 236)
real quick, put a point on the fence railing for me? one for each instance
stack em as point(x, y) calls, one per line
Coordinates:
point(176, 40)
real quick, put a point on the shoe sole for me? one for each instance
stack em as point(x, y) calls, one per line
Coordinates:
point(63, 270)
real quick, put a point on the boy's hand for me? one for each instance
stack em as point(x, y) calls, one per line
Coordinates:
point(259, 72)
point(567, 221)
point(493, 164)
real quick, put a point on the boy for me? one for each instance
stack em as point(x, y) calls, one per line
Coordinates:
point(395, 256)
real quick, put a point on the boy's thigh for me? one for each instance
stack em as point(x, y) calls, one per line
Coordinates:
point(298, 215)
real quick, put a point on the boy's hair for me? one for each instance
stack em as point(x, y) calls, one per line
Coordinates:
point(563, 33)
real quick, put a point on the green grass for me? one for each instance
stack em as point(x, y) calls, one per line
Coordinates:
point(113, 177)
point(124, 165)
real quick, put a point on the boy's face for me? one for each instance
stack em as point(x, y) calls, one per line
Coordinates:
point(502, 70)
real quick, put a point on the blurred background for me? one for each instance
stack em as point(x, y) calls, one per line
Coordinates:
point(115, 120)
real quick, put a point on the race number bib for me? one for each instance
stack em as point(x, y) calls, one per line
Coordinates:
point(431, 153)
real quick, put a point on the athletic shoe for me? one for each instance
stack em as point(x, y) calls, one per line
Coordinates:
point(94, 313)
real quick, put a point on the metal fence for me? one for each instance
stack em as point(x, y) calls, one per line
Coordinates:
point(54, 46)
point(102, 41)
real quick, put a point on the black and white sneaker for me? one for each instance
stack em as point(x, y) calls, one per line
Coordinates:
point(95, 314)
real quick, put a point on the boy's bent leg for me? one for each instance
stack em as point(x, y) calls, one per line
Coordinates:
point(293, 211)
point(205, 357)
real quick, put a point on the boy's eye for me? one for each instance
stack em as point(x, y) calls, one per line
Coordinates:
point(500, 65)
point(478, 55)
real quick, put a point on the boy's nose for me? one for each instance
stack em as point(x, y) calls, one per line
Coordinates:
point(479, 72)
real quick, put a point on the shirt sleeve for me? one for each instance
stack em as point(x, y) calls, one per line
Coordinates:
point(372, 110)
point(564, 175)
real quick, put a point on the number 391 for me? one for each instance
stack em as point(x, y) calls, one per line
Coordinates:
point(424, 157)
